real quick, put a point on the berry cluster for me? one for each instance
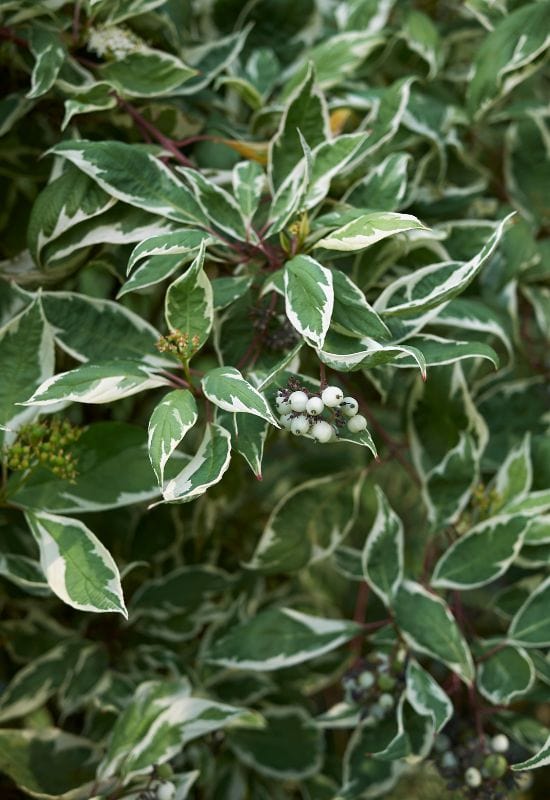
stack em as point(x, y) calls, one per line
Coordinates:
point(301, 412)
point(44, 443)
point(375, 683)
point(179, 344)
point(479, 769)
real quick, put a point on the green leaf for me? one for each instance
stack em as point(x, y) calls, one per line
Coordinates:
point(368, 229)
point(189, 303)
point(429, 287)
point(328, 160)
point(24, 572)
point(426, 696)
point(307, 524)
point(483, 554)
point(506, 675)
point(346, 353)
point(90, 329)
point(161, 719)
point(226, 388)
point(429, 627)
point(509, 54)
point(352, 314)
point(309, 298)
point(26, 360)
point(540, 759)
point(182, 591)
point(305, 113)
point(227, 290)
point(130, 173)
point(250, 436)
point(277, 638)
point(98, 97)
point(49, 53)
point(35, 683)
point(515, 475)
point(470, 314)
point(49, 763)
point(383, 552)
point(182, 242)
point(153, 270)
point(249, 181)
point(438, 351)
point(65, 202)
point(384, 186)
point(84, 678)
point(423, 38)
point(363, 773)
point(146, 73)
point(172, 418)
point(96, 383)
point(527, 169)
point(219, 206)
point(113, 471)
point(78, 568)
point(12, 107)
point(530, 626)
point(205, 468)
point(289, 747)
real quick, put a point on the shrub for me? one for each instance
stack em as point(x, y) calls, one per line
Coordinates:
point(318, 230)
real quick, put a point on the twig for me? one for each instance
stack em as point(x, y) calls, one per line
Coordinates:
point(149, 128)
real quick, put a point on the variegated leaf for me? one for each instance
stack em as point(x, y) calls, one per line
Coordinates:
point(172, 418)
point(189, 303)
point(309, 298)
point(368, 229)
point(383, 557)
point(78, 568)
point(226, 388)
point(104, 382)
point(205, 468)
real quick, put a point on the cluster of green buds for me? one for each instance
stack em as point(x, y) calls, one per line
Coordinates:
point(45, 444)
point(478, 769)
point(375, 684)
point(179, 344)
point(301, 412)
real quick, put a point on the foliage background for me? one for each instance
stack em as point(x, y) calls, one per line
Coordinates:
point(448, 104)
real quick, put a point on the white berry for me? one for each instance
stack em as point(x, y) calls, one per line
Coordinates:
point(322, 431)
point(283, 407)
point(315, 406)
point(166, 791)
point(500, 743)
point(298, 401)
point(299, 425)
point(349, 406)
point(286, 421)
point(357, 423)
point(386, 700)
point(332, 396)
point(473, 778)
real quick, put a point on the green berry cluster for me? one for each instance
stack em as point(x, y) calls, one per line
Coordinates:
point(478, 769)
point(301, 412)
point(375, 684)
point(179, 344)
point(45, 444)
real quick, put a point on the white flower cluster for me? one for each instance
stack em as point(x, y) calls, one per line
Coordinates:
point(114, 42)
point(301, 413)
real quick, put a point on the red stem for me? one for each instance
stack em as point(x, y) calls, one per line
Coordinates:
point(146, 126)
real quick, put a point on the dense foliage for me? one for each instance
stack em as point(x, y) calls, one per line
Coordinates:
point(274, 359)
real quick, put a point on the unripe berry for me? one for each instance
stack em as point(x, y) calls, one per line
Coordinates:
point(442, 743)
point(315, 406)
point(299, 425)
point(500, 743)
point(322, 431)
point(386, 682)
point(495, 765)
point(349, 406)
point(286, 421)
point(164, 771)
point(166, 791)
point(357, 424)
point(298, 401)
point(448, 760)
point(473, 778)
point(332, 396)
